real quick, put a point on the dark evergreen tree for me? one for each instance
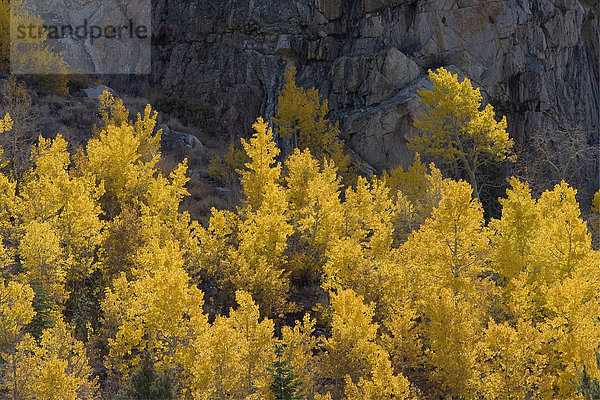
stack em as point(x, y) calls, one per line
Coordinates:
point(42, 305)
point(589, 387)
point(285, 385)
point(148, 384)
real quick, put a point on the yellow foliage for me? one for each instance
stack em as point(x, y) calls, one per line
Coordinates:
point(449, 307)
point(316, 213)
point(351, 350)
point(382, 385)
point(56, 369)
point(112, 110)
point(124, 156)
point(452, 336)
point(299, 344)
point(514, 360)
point(369, 215)
point(404, 340)
point(60, 213)
point(6, 124)
point(416, 192)
point(43, 261)
point(155, 312)
point(247, 250)
point(596, 203)
point(261, 171)
point(15, 312)
point(223, 168)
point(562, 242)
point(302, 117)
point(451, 247)
point(38, 58)
point(59, 368)
point(455, 129)
point(238, 350)
point(514, 233)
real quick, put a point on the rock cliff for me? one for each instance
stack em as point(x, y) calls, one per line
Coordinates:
point(536, 61)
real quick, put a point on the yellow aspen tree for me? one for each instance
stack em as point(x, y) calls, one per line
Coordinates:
point(112, 110)
point(164, 195)
point(262, 170)
point(6, 123)
point(257, 263)
point(544, 252)
point(402, 337)
point(567, 268)
point(514, 362)
point(442, 284)
point(19, 368)
point(140, 200)
point(573, 306)
point(382, 384)
point(240, 348)
point(563, 242)
point(9, 206)
point(351, 350)
point(161, 218)
point(454, 128)
point(302, 117)
point(153, 312)
point(67, 201)
point(124, 155)
point(451, 247)
point(264, 228)
point(249, 252)
point(452, 343)
point(43, 261)
point(414, 195)
point(215, 241)
point(360, 259)
point(513, 234)
point(113, 157)
point(58, 369)
point(38, 55)
point(356, 364)
point(16, 312)
point(79, 226)
point(316, 213)
point(369, 214)
point(42, 185)
point(156, 217)
point(299, 344)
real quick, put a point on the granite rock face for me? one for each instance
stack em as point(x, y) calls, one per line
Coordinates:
point(92, 36)
point(536, 61)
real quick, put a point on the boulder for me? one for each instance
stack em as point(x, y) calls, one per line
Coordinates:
point(95, 92)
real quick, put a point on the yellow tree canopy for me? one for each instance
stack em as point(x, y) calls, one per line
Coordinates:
point(454, 128)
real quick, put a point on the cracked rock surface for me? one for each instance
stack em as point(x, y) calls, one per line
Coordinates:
point(536, 61)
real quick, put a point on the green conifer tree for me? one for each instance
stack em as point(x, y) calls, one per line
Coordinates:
point(148, 384)
point(285, 385)
point(42, 305)
point(589, 387)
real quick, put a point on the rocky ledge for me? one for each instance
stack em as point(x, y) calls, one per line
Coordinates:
point(536, 61)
